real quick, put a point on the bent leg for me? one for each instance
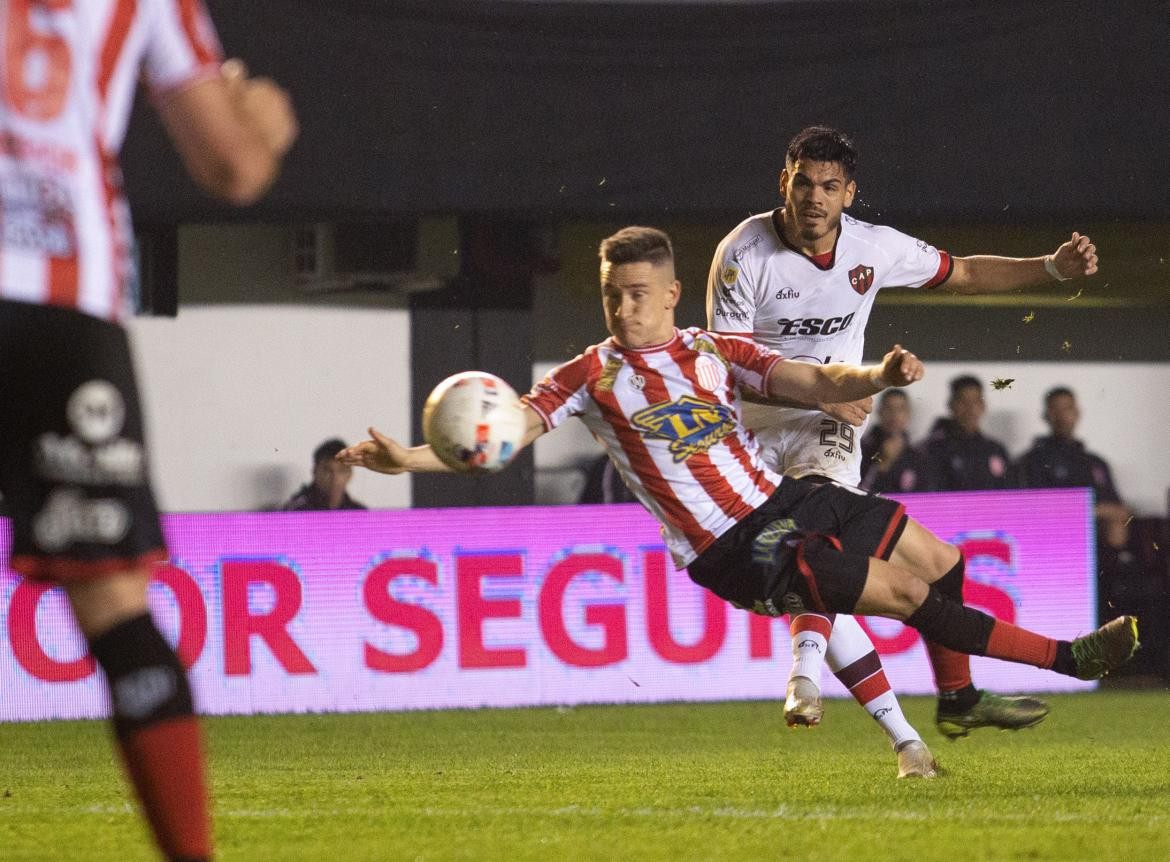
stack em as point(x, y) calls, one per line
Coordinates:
point(153, 716)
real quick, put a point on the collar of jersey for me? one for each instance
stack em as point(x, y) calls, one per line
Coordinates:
point(778, 227)
point(653, 348)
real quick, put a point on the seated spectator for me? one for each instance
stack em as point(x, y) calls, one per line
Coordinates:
point(961, 457)
point(1061, 461)
point(603, 484)
point(327, 489)
point(890, 465)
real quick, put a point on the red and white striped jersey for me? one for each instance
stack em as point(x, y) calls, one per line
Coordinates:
point(69, 70)
point(668, 417)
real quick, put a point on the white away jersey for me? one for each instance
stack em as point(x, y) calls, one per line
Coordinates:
point(815, 311)
point(69, 71)
point(668, 417)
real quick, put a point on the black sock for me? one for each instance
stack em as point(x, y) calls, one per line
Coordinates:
point(951, 584)
point(952, 624)
point(1064, 662)
point(959, 701)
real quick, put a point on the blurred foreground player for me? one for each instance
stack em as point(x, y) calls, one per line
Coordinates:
point(72, 460)
point(665, 403)
point(802, 279)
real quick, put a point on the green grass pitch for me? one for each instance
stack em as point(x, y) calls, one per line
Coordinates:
point(676, 781)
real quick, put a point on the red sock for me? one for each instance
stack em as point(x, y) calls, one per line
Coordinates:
point(165, 762)
point(952, 670)
point(1020, 645)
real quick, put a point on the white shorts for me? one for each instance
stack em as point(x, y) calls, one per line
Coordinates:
point(806, 442)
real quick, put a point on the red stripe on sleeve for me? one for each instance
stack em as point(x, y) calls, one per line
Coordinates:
point(120, 23)
point(194, 18)
point(946, 266)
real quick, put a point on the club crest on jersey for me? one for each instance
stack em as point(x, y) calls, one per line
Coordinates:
point(691, 425)
point(710, 372)
point(609, 374)
point(861, 278)
point(638, 381)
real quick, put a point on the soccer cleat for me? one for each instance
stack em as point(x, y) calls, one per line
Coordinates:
point(1111, 646)
point(803, 707)
point(992, 710)
point(915, 760)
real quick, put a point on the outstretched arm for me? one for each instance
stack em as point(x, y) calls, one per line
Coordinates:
point(990, 274)
point(809, 383)
point(384, 455)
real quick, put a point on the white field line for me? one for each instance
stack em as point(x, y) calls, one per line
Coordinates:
point(783, 813)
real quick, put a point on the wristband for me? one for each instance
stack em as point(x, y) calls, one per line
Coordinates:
point(1050, 268)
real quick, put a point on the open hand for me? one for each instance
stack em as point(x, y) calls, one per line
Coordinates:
point(1075, 258)
point(380, 454)
point(900, 367)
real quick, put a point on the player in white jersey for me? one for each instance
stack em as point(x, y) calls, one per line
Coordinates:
point(802, 279)
point(665, 405)
point(73, 467)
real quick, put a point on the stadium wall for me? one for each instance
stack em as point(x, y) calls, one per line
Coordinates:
point(237, 397)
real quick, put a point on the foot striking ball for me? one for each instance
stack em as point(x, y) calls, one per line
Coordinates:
point(474, 422)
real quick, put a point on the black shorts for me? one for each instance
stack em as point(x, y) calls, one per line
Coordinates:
point(73, 467)
point(808, 546)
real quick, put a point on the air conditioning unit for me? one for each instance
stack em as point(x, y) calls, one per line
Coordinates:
point(389, 257)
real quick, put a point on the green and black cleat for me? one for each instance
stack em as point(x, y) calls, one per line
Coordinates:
point(992, 710)
point(1106, 649)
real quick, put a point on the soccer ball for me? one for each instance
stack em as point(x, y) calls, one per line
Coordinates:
point(474, 422)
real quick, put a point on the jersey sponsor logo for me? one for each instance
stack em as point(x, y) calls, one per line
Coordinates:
point(861, 278)
point(731, 315)
point(729, 275)
point(691, 425)
point(789, 327)
point(69, 517)
point(788, 293)
point(638, 381)
point(737, 256)
point(609, 374)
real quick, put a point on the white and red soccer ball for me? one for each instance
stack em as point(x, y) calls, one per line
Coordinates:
point(474, 422)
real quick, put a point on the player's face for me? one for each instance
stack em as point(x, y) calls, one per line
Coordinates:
point(967, 409)
point(1062, 415)
point(894, 414)
point(815, 194)
point(639, 301)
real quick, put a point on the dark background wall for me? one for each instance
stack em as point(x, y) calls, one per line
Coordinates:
point(968, 110)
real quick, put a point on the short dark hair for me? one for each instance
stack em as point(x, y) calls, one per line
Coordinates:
point(893, 392)
point(965, 381)
point(328, 450)
point(637, 245)
point(824, 144)
point(1056, 392)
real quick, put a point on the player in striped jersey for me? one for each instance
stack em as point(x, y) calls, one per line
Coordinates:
point(665, 404)
point(803, 279)
point(73, 466)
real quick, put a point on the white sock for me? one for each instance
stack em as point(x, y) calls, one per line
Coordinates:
point(810, 641)
point(854, 661)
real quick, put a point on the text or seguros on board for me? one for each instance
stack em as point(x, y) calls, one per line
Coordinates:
point(434, 608)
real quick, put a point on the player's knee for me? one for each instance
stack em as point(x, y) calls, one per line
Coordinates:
point(147, 681)
point(906, 592)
